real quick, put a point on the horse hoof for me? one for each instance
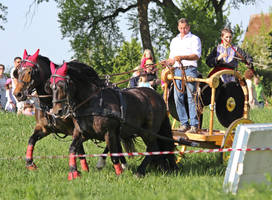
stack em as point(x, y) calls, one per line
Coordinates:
point(139, 175)
point(118, 169)
point(31, 167)
point(101, 163)
point(124, 166)
point(73, 175)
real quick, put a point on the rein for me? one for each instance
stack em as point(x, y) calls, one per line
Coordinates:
point(40, 96)
point(86, 100)
point(107, 77)
point(240, 57)
point(121, 116)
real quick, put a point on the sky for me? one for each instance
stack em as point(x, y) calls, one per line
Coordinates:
point(31, 30)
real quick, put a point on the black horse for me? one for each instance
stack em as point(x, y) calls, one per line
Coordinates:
point(108, 114)
point(33, 75)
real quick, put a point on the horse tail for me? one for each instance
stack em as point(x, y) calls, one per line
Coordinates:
point(129, 144)
point(165, 131)
point(167, 145)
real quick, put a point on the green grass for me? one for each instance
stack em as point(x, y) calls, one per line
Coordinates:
point(200, 177)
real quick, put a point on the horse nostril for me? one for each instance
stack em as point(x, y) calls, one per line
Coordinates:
point(19, 94)
point(59, 111)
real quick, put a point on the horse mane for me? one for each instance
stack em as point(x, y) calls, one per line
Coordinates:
point(44, 59)
point(81, 73)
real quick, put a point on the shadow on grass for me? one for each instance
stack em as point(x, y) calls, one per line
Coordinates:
point(202, 164)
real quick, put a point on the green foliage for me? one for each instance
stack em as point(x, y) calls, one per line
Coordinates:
point(266, 77)
point(260, 48)
point(127, 58)
point(3, 13)
point(94, 41)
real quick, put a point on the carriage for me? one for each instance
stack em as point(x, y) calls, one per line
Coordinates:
point(228, 99)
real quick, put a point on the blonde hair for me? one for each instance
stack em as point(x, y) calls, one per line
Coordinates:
point(145, 52)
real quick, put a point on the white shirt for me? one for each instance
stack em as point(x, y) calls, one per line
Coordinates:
point(12, 79)
point(188, 45)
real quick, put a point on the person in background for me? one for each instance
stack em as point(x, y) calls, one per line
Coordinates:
point(151, 74)
point(147, 55)
point(133, 82)
point(3, 80)
point(261, 99)
point(17, 63)
point(11, 102)
point(147, 65)
point(143, 81)
point(28, 109)
point(253, 103)
point(185, 48)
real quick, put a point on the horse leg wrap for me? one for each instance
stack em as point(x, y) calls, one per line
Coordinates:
point(118, 169)
point(30, 165)
point(72, 161)
point(73, 175)
point(29, 152)
point(84, 165)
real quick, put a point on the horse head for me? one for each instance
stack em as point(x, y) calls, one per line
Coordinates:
point(59, 85)
point(71, 84)
point(28, 75)
point(24, 75)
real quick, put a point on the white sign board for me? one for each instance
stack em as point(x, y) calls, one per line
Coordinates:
point(247, 167)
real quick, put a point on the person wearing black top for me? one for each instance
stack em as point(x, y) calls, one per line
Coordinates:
point(226, 56)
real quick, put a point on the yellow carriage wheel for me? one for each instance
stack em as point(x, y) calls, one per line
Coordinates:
point(229, 136)
point(181, 149)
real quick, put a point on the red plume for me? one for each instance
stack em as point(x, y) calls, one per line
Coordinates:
point(61, 71)
point(35, 56)
point(25, 54)
point(33, 59)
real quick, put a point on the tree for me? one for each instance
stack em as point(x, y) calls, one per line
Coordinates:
point(260, 47)
point(128, 57)
point(3, 13)
point(92, 24)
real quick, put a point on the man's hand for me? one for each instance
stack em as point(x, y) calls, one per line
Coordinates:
point(178, 58)
point(170, 61)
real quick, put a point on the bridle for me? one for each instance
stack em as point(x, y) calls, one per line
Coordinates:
point(28, 86)
point(68, 106)
point(65, 100)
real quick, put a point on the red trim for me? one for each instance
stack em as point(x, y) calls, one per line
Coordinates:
point(84, 165)
point(29, 152)
point(217, 69)
point(118, 169)
point(72, 160)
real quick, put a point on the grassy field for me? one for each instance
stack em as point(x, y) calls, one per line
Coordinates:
point(200, 177)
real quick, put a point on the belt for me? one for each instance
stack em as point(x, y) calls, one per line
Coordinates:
point(186, 67)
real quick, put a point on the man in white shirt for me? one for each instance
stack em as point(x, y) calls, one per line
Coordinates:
point(17, 63)
point(185, 47)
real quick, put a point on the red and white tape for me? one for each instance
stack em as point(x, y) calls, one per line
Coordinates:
point(144, 153)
